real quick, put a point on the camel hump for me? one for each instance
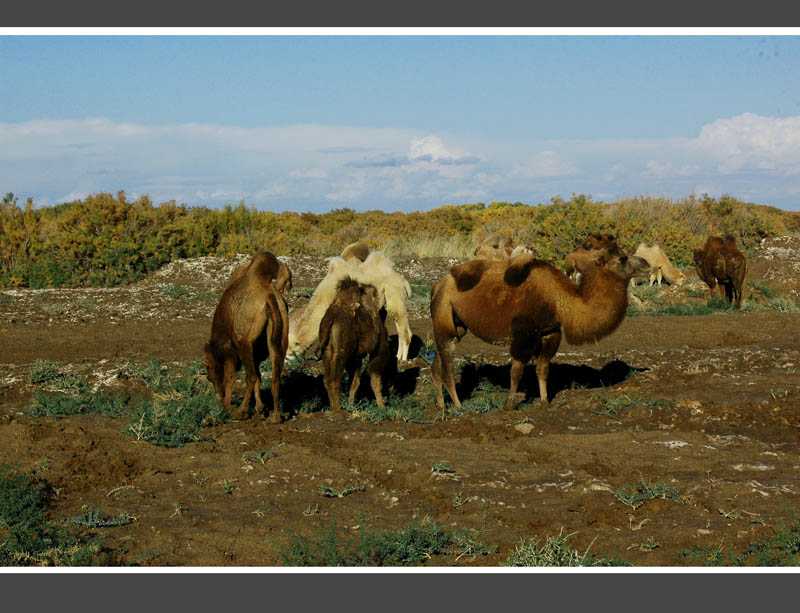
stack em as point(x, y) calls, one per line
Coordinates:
point(520, 268)
point(468, 274)
point(265, 265)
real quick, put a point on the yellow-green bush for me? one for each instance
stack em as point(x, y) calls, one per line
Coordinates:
point(108, 240)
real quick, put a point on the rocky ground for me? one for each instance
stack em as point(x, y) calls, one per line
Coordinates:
point(702, 409)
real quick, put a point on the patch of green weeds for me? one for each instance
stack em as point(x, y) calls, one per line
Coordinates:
point(420, 294)
point(403, 408)
point(412, 545)
point(175, 290)
point(782, 548)
point(183, 404)
point(439, 468)
point(341, 492)
point(62, 405)
point(93, 518)
point(29, 539)
point(555, 551)
point(611, 404)
point(636, 495)
point(49, 375)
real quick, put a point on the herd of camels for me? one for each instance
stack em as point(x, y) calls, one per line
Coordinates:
point(503, 296)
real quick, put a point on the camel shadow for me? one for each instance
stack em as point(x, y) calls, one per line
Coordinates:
point(561, 377)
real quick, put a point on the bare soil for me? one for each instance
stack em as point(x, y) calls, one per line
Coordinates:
point(707, 404)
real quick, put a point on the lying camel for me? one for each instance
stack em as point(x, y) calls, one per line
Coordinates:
point(250, 322)
point(376, 270)
point(351, 330)
point(526, 302)
point(494, 247)
point(660, 266)
point(719, 261)
point(582, 257)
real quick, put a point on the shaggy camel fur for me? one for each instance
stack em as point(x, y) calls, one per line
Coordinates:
point(250, 322)
point(520, 250)
point(719, 261)
point(660, 266)
point(351, 330)
point(578, 260)
point(355, 253)
point(376, 270)
point(494, 247)
point(526, 302)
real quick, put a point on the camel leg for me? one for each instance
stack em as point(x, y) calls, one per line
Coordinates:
point(334, 369)
point(251, 380)
point(448, 357)
point(276, 357)
point(375, 382)
point(659, 276)
point(229, 378)
point(355, 379)
point(517, 368)
point(403, 333)
point(550, 345)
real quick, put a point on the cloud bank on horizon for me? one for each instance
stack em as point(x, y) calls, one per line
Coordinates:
point(321, 167)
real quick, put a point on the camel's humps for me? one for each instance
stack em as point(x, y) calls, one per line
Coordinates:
point(526, 303)
point(581, 257)
point(660, 266)
point(351, 330)
point(377, 270)
point(250, 322)
point(719, 261)
point(355, 253)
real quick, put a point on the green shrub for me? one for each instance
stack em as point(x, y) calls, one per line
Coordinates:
point(412, 545)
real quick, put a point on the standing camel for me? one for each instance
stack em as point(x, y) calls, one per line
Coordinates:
point(250, 322)
point(719, 261)
point(525, 303)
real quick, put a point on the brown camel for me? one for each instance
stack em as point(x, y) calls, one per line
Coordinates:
point(494, 247)
point(351, 330)
point(250, 322)
point(719, 261)
point(582, 257)
point(526, 302)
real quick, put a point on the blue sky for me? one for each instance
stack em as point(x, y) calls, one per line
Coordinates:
point(400, 122)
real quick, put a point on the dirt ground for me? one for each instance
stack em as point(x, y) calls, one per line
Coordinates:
point(707, 404)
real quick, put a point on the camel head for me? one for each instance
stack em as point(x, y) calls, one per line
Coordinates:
point(283, 280)
point(620, 265)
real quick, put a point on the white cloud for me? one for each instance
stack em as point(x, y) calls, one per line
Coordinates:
point(754, 142)
point(311, 167)
point(545, 164)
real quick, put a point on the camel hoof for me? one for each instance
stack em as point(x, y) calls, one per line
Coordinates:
point(240, 414)
point(275, 418)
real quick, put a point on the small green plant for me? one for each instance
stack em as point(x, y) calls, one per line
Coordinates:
point(333, 492)
point(636, 495)
point(63, 405)
point(262, 455)
point(555, 551)
point(732, 514)
point(440, 468)
point(94, 519)
point(611, 404)
point(227, 486)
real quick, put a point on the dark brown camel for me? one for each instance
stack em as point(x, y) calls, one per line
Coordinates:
point(250, 322)
point(719, 261)
point(526, 303)
point(351, 330)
